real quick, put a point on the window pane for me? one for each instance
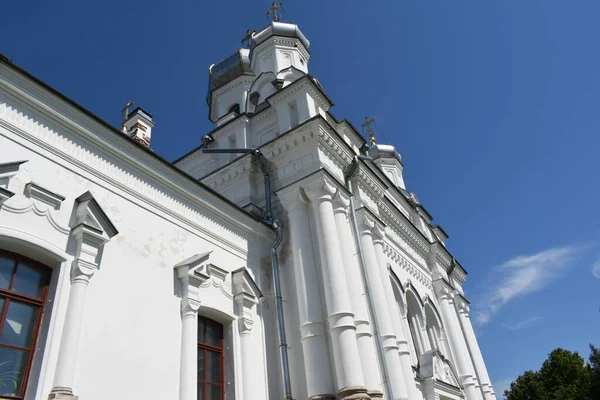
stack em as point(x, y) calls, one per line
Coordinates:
point(213, 333)
point(200, 391)
point(213, 392)
point(201, 365)
point(213, 367)
point(19, 324)
point(201, 330)
point(7, 267)
point(12, 370)
point(29, 280)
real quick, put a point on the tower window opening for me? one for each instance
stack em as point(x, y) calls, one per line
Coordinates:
point(235, 108)
point(293, 108)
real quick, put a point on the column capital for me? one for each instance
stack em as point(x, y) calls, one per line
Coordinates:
point(291, 198)
point(368, 224)
point(341, 202)
point(189, 307)
point(443, 290)
point(320, 187)
point(82, 271)
point(462, 305)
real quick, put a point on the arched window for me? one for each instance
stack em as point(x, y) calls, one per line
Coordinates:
point(234, 108)
point(405, 325)
point(23, 292)
point(415, 322)
point(210, 360)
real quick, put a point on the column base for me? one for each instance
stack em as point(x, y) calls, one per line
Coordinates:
point(375, 394)
point(354, 393)
point(62, 393)
point(322, 397)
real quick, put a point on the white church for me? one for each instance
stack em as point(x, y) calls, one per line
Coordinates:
point(284, 258)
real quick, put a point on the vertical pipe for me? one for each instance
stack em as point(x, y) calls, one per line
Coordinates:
point(277, 225)
point(287, 385)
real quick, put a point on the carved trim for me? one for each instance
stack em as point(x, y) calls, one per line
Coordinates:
point(41, 212)
point(100, 157)
point(5, 195)
point(7, 171)
point(35, 191)
point(402, 262)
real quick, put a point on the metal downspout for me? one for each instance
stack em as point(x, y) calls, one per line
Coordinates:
point(367, 286)
point(278, 226)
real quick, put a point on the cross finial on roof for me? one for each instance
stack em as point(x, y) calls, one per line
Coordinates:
point(367, 124)
point(274, 11)
point(248, 38)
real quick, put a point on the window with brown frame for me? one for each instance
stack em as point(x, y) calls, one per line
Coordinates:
point(23, 292)
point(210, 360)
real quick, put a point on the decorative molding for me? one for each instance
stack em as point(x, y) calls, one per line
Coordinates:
point(188, 272)
point(7, 171)
point(246, 294)
point(402, 262)
point(37, 210)
point(5, 195)
point(103, 162)
point(35, 191)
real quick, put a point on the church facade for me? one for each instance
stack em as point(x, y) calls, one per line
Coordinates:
point(283, 258)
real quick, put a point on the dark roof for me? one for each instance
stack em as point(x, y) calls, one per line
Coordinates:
point(126, 139)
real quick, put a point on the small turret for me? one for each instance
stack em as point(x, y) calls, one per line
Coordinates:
point(138, 125)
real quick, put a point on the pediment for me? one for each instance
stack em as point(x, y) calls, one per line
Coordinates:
point(243, 283)
point(91, 215)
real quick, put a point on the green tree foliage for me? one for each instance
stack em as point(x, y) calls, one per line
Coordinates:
point(563, 376)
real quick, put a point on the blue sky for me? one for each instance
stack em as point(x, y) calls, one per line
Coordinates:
point(494, 106)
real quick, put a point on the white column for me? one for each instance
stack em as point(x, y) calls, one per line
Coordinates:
point(245, 305)
point(386, 330)
point(342, 331)
point(188, 386)
point(364, 336)
point(314, 344)
point(465, 321)
point(401, 335)
point(81, 273)
point(191, 279)
point(460, 351)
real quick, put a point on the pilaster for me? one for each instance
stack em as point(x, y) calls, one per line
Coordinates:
point(354, 279)
point(321, 189)
point(370, 229)
point(319, 380)
point(191, 279)
point(445, 294)
point(90, 230)
point(462, 306)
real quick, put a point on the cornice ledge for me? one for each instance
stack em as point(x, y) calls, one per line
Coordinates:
point(405, 229)
point(242, 120)
point(5, 195)
point(103, 139)
point(402, 262)
point(333, 142)
point(238, 81)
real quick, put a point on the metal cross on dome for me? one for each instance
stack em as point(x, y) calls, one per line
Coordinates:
point(274, 11)
point(367, 124)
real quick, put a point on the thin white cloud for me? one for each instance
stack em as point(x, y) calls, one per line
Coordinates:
point(522, 324)
point(524, 275)
point(596, 268)
point(500, 387)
